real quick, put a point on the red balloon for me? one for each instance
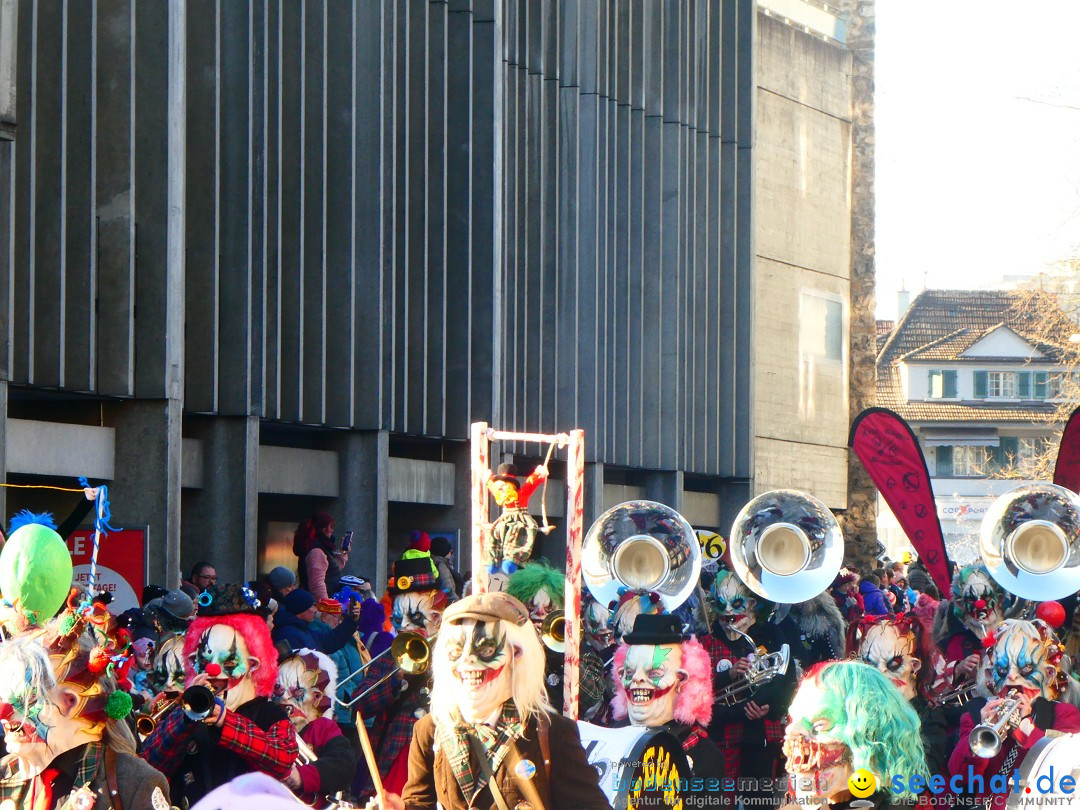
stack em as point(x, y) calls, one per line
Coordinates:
point(1052, 613)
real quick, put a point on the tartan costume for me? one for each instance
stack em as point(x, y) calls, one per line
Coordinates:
point(198, 758)
point(497, 743)
point(751, 747)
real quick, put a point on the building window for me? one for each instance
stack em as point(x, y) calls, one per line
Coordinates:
point(1002, 384)
point(943, 384)
point(821, 326)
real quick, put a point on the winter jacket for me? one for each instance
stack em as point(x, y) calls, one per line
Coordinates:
point(918, 577)
point(313, 635)
point(873, 599)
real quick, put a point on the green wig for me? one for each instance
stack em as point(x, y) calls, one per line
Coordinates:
point(535, 576)
point(870, 716)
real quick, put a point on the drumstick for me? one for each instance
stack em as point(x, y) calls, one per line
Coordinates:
point(369, 755)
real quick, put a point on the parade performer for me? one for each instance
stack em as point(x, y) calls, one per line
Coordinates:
point(227, 649)
point(542, 589)
point(663, 678)
point(394, 701)
point(748, 731)
point(305, 683)
point(63, 717)
point(848, 717)
point(902, 649)
point(492, 740)
point(820, 628)
point(512, 535)
point(1025, 656)
point(978, 604)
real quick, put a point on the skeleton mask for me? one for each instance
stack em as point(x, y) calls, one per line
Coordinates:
point(302, 688)
point(979, 602)
point(818, 762)
point(222, 645)
point(652, 677)
point(735, 605)
point(892, 651)
point(415, 611)
point(480, 662)
point(167, 673)
point(41, 717)
point(598, 633)
point(1025, 656)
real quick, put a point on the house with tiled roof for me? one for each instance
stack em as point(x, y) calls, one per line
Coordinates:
point(978, 375)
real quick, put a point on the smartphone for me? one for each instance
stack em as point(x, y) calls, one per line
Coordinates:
point(346, 542)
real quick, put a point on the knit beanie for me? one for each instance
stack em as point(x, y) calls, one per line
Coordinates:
point(249, 790)
point(281, 578)
point(298, 601)
point(420, 541)
point(440, 546)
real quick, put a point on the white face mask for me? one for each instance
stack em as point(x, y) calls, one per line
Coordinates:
point(735, 606)
point(222, 645)
point(298, 692)
point(651, 678)
point(415, 611)
point(892, 652)
point(481, 659)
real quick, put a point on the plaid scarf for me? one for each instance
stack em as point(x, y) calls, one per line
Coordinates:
point(36, 793)
point(497, 743)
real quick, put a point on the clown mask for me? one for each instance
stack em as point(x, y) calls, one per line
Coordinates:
point(1026, 656)
point(540, 606)
point(979, 602)
point(480, 655)
point(301, 689)
point(415, 611)
point(818, 763)
point(892, 651)
point(42, 718)
point(167, 672)
point(652, 677)
point(735, 606)
point(230, 679)
point(598, 633)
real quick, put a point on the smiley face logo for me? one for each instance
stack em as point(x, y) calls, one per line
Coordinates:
point(862, 783)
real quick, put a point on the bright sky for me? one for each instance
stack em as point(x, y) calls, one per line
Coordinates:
point(978, 142)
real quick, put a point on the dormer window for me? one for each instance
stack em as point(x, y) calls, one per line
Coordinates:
point(943, 384)
point(1002, 384)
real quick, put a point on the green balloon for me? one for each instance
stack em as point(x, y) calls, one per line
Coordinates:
point(35, 571)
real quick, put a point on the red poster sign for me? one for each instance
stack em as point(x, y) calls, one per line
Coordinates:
point(1067, 469)
point(891, 455)
point(121, 568)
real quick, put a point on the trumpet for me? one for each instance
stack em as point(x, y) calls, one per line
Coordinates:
point(762, 670)
point(986, 738)
point(553, 631)
point(958, 696)
point(197, 702)
point(305, 755)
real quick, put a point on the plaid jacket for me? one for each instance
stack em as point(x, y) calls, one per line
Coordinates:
point(730, 729)
point(389, 717)
point(198, 758)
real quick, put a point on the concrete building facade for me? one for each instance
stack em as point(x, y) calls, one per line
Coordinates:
point(268, 258)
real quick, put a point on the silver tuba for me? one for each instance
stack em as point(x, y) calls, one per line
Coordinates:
point(643, 546)
point(786, 546)
point(1030, 541)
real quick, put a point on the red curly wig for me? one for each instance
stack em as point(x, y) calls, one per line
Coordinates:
point(256, 635)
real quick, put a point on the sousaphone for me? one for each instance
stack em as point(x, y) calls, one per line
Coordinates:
point(786, 546)
point(1030, 541)
point(641, 546)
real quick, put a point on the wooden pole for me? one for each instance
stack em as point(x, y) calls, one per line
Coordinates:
point(575, 519)
point(369, 755)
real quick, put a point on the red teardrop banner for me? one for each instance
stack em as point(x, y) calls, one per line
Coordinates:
point(891, 454)
point(1067, 468)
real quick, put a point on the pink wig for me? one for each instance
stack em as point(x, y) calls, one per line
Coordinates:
point(695, 701)
point(256, 635)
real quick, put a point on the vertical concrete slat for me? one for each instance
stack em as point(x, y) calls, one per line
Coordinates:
point(313, 228)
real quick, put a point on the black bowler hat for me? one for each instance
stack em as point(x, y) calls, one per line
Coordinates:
point(656, 628)
point(507, 473)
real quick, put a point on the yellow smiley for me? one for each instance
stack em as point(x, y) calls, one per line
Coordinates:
point(862, 783)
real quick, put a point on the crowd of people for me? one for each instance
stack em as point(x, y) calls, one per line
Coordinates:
point(185, 700)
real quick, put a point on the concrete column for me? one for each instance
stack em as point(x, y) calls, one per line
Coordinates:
point(666, 487)
point(459, 517)
point(146, 486)
point(734, 495)
point(364, 462)
point(594, 493)
point(221, 519)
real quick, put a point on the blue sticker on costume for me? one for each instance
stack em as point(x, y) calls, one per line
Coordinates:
point(525, 769)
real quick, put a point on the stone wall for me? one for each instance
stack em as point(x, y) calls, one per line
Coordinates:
point(860, 521)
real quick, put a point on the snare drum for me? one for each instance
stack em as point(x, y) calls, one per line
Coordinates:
point(1050, 759)
point(636, 766)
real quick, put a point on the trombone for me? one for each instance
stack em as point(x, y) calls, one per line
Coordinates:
point(986, 739)
point(762, 670)
point(411, 652)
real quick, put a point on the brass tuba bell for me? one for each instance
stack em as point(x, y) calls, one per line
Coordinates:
point(642, 546)
point(553, 631)
point(1030, 541)
point(786, 546)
